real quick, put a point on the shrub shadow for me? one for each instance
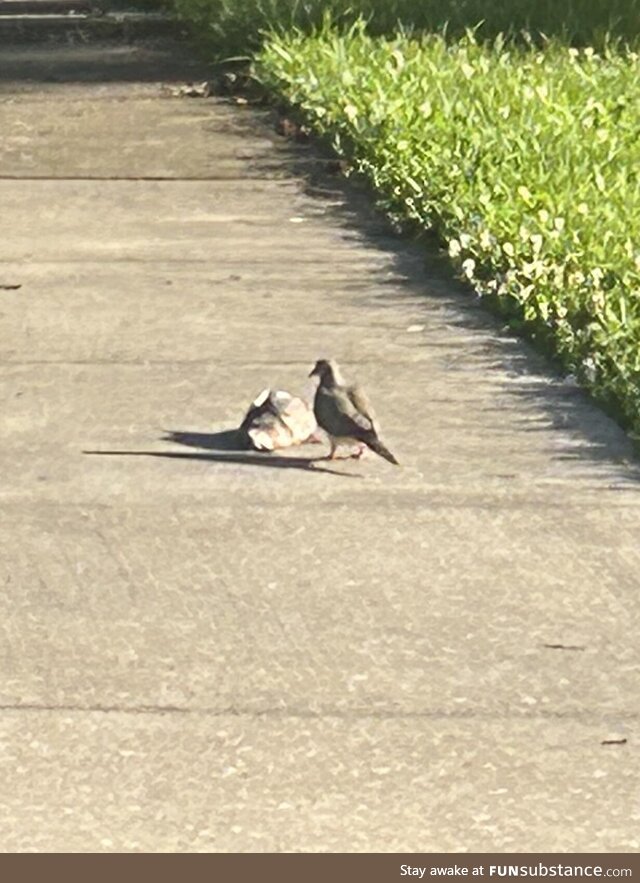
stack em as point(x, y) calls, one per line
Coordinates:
point(419, 275)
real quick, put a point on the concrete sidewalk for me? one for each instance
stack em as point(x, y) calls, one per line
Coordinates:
point(206, 651)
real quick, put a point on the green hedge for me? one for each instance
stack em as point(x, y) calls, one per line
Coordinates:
point(237, 26)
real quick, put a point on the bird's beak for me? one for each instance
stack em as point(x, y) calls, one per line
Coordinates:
point(314, 371)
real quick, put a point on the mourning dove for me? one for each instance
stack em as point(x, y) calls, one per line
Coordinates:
point(344, 412)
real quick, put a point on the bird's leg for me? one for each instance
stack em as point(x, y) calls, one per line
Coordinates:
point(359, 451)
point(334, 447)
point(333, 453)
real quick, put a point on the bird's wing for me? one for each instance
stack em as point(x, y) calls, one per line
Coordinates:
point(361, 403)
point(337, 414)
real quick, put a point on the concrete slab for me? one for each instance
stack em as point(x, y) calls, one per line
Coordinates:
point(35, 67)
point(208, 649)
point(190, 782)
point(47, 26)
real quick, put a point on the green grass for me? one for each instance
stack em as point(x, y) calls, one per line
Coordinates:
point(525, 162)
point(233, 27)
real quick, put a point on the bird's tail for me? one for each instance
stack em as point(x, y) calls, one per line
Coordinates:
point(377, 447)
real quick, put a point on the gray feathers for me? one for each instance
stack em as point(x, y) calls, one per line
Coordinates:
point(344, 412)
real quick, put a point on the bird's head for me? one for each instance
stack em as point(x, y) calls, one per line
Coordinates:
point(327, 371)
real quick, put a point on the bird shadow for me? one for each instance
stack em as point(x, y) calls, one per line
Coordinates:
point(226, 440)
point(229, 446)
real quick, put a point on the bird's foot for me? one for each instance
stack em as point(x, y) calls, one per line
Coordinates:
point(348, 455)
point(334, 455)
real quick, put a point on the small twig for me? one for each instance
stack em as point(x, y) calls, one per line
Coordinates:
point(564, 647)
